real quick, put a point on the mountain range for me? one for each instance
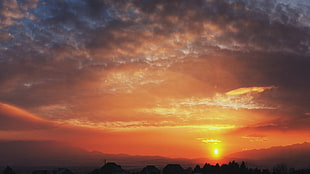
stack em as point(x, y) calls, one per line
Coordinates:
point(56, 154)
point(296, 155)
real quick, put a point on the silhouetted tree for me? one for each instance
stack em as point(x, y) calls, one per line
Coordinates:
point(231, 168)
point(265, 171)
point(8, 170)
point(173, 169)
point(188, 170)
point(243, 168)
point(256, 171)
point(150, 170)
point(109, 168)
point(62, 171)
point(197, 169)
point(242, 165)
point(279, 169)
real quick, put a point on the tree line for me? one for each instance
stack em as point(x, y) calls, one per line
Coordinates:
point(230, 168)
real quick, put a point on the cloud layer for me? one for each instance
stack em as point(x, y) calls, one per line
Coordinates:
point(142, 64)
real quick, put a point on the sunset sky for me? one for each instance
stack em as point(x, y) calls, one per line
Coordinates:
point(175, 78)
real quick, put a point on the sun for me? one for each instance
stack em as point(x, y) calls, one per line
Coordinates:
point(215, 149)
point(215, 152)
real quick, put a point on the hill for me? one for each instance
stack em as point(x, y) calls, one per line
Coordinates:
point(296, 155)
point(56, 154)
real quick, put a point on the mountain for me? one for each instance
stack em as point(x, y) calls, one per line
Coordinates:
point(296, 155)
point(56, 154)
point(38, 154)
point(44, 153)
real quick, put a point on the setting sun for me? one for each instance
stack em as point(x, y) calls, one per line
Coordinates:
point(216, 152)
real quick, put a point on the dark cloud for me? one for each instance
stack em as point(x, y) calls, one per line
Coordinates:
point(12, 11)
point(109, 26)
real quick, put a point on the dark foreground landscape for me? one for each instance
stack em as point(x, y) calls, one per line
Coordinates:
point(230, 168)
point(50, 157)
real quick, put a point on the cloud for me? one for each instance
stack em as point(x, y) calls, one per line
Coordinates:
point(255, 138)
point(146, 124)
point(108, 139)
point(281, 123)
point(241, 91)
point(128, 80)
point(209, 141)
point(231, 99)
point(12, 10)
point(168, 62)
point(169, 34)
point(13, 118)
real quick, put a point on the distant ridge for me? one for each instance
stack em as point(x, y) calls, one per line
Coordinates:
point(44, 153)
point(57, 154)
point(296, 155)
point(52, 153)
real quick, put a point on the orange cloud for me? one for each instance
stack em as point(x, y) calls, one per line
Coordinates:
point(128, 79)
point(209, 141)
point(255, 138)
point(22, 125)
point(13, 118)
point(241, 91)
point(236, 101)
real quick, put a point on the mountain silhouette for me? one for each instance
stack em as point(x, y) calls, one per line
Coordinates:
point(296, 155)
point(57, 154)
point(45, 153)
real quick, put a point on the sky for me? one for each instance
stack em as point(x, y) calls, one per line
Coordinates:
point(175, 78)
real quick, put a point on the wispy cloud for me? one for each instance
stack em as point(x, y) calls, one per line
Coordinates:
point(255, 138)
point(234, 99)
point(15, 119)
point(12, 10)
point(241, 91)
point(126, 81)
point(209, 141)
point(126, 125)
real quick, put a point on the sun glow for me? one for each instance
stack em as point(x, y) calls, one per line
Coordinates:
point(215, 151)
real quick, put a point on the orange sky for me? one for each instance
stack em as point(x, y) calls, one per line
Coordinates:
point(151, 79)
